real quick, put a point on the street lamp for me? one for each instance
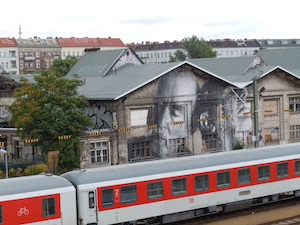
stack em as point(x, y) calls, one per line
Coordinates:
point(4, 152)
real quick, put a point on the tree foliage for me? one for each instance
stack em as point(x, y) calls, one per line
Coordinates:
point(179, 55)
point(194, 48)
point(63, 66)
point(48, 109)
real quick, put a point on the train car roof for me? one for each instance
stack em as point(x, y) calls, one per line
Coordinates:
point(212, 161)
point(19, 185)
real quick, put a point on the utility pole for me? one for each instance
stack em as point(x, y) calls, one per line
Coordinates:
point(255, 113)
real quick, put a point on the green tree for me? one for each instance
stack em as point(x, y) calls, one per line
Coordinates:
point(49, 108)
point(179, 55)
point(63, 66)
point(197, 48)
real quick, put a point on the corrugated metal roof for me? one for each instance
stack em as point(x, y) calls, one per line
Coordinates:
point(288, 58)
point(102, 82)
point(95, 63)
point(123, 81)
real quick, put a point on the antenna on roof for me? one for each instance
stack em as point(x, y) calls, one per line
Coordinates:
point(20, 32)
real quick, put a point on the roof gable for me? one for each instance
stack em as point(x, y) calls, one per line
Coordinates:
point(99, 63)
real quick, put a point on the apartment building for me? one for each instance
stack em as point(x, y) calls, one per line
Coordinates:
point(279, 43)
point(75, 47)
point(8, 56)
point(157, 53)
point(37, 54)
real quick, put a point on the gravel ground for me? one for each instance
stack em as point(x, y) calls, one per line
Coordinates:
point(259, 218)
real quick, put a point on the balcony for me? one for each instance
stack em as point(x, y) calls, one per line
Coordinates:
point(29, 58)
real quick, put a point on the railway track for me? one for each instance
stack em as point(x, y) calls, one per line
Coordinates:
point(279, 213)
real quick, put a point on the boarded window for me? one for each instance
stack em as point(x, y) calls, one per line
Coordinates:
point(138, 117)
point(271, 107)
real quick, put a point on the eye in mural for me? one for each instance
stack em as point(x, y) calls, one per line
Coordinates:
point(101, 116)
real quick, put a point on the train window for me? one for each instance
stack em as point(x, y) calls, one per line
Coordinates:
point(282, 170)
point(91, 199)
point(107, 197)
point(49, 207)
point(1, 216)
point(179, 186)
point(297, 167)
point(155, 190)
point(202, 183)
point(128, 194)
point(223, 179)
point(244, 176)
point(263, 173)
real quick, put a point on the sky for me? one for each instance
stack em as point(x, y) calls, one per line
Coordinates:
point(136, 21)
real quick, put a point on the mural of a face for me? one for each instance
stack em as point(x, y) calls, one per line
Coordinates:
point(176, 97)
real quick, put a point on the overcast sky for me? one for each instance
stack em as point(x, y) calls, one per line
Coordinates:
point(152, 20)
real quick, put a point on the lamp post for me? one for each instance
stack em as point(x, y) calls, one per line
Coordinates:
point(4, 152)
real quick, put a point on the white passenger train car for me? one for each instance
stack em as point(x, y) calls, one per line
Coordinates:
point(176, 189)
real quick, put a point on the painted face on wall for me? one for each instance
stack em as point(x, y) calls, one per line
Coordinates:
point(176, 97)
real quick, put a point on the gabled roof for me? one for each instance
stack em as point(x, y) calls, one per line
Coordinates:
point(99, 63)
point(107, 75)
point(120, 82)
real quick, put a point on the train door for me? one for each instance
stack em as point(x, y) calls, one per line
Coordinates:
point(90, 208)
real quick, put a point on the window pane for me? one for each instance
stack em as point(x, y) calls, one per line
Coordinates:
point(91, 199)
point(244, 176)
point(223, 180)
point(128, 194)
point(49, 207)
point(1, 214)
point(155, 190)
point(297, 167)
point(107, 197)
point(263, 173)
point(202, 183)
point(179, 186)
point(282, 170)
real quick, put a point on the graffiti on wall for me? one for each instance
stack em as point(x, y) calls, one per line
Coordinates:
point(185, 107)
point(100, 115)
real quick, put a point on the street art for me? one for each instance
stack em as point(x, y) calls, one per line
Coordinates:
point(101, 116)
point(186, 106)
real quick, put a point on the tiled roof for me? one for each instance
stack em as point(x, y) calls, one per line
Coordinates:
point(7, 42)
point(111, 42)
point(90, 42)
